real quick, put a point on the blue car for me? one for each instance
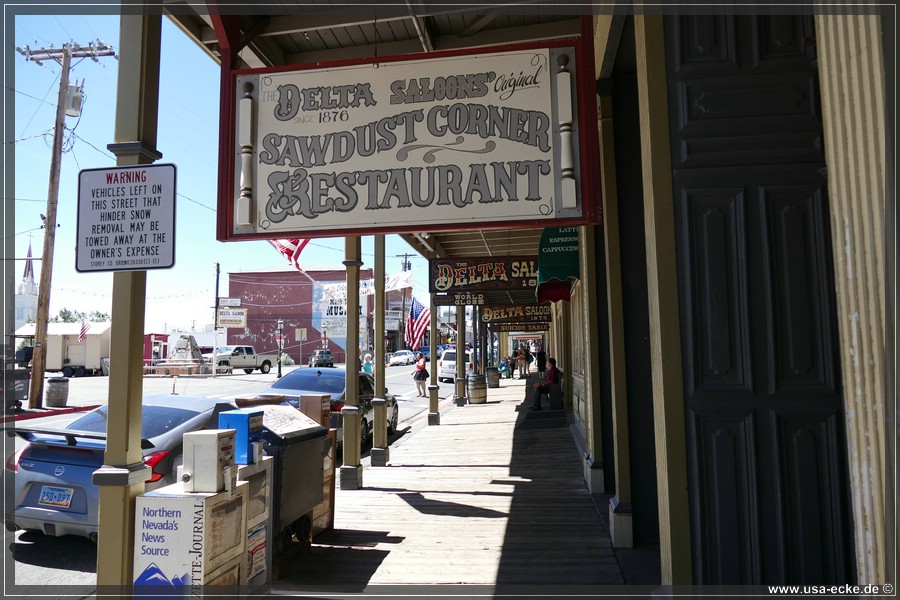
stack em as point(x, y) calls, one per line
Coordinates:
point(53, 471)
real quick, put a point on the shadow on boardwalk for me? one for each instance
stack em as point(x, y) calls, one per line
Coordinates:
point(484, 500)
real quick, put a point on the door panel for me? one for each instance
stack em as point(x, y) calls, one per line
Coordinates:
point(763, 400)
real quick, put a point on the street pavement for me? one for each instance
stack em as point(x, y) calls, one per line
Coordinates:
point(87, 392)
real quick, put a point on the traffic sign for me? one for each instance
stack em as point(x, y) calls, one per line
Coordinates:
point(126, 219)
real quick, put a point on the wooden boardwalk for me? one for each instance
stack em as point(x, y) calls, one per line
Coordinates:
point(475, 500)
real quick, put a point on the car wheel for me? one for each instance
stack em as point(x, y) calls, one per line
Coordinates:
point(363, 436)
point(302, 528)
point(265, 368)
point(284, 540)
point(248, 371)
point(394, 422)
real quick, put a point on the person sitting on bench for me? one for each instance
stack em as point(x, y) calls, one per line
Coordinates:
point(550, 377)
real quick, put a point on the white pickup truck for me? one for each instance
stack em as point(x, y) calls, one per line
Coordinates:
point(241, 357)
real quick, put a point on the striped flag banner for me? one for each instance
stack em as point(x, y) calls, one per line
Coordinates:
point(84, 329)
point(416, 323)
point(291, 249)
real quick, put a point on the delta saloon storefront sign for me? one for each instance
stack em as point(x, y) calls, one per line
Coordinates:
point(482, 274)
point(528, 313)
point(450, 142)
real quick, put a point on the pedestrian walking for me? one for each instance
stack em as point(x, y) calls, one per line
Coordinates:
point(541, 361)
point(522, 363)
point(420, 374)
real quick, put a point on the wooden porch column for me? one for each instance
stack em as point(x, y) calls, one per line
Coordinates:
point(351, 470)
point(662, 290)
point(381, 452)
point(851, 72)
point(121, 478)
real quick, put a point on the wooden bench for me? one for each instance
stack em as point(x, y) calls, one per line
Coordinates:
point(555, 394)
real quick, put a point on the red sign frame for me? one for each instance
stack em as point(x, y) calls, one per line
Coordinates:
point(228, 34)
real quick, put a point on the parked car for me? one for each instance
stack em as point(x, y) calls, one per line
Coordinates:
point(53, 471)
point(314, 380)
point(447, 365)
point(241, 357)
point(403, 357)
point(321, 358)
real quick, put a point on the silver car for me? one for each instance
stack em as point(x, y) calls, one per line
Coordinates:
point(53, 471)
point(447, 365)
point(402, 357)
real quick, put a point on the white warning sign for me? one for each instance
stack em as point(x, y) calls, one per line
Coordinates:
point(126, 218)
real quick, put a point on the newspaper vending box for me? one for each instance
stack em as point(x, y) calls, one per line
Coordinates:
point(190, 539)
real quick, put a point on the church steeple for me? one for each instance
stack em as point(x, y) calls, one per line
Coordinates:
point(28, 287)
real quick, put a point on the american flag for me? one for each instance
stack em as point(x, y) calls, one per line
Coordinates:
point(418, 319)
point(84, 329)
point(291, 249)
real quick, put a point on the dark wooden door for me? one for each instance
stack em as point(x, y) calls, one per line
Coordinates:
point(763, 397)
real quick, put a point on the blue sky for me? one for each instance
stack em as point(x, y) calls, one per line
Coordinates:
point(179, 297)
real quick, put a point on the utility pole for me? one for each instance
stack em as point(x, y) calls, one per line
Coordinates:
point(405, 266)
point(216, 307)
point(64, 55)
point(215, 356)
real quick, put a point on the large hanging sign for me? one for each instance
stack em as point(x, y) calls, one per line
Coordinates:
point(482, 274)
point(392, 145)
point(529, 313)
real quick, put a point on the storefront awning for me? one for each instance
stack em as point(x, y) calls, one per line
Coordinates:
point(558, 264)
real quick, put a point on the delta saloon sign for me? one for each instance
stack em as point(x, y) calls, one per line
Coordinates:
point(482, 274)
point(450, 142)
point(528, 313)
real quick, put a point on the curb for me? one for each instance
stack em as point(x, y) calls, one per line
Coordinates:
point(40, 412)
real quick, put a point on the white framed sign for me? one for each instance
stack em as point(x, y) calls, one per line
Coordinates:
point(233, 317)
point(459, 140)
point(126, 219)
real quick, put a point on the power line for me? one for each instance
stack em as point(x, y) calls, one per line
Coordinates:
point(29, 95)
point(64, 56)
point(30, 137)
point(24, 129)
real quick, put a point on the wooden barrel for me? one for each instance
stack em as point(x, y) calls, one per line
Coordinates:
point(492, 375)
point(476, 389)
point(57, 393)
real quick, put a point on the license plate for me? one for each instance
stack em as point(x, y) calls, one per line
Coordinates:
point(56, 496)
